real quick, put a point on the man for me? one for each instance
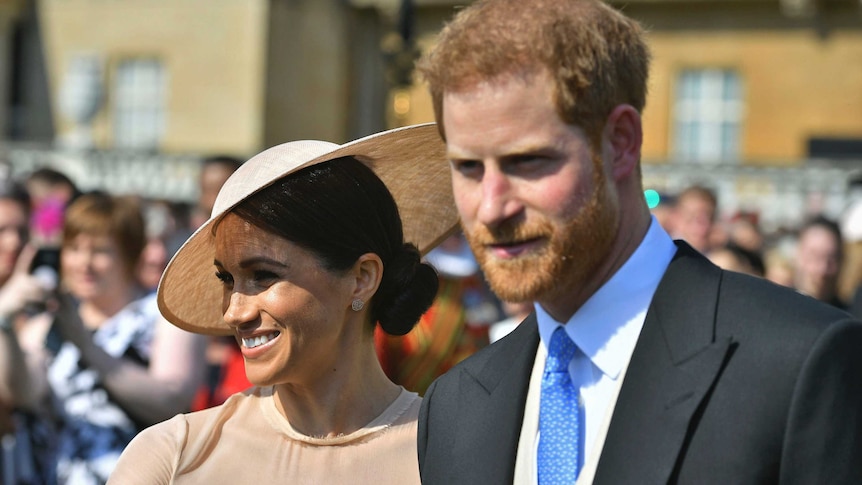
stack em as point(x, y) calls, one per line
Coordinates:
point(225, 366)
point(818, 260)
point(215, 170)
point(682, 373)
point(694, 217)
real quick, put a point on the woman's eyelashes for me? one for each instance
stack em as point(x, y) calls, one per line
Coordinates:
point(259, 278)
point(224, 277)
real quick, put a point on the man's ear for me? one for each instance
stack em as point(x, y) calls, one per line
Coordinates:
point(368, 271)
point(624, 133)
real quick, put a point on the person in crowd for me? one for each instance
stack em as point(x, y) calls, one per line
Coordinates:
point(744, 232)
point(304, 254)
point(215, 170)
point(665, 212)
point(818, 259)
point(105, 361)
point(851, 274)
point(19, 288)
point(14, 229)
point(736, 258)
point(642, 362)
point(694, 217)
point(225, 368)
point(516, 312)
point(743, 249)
point(51, 191)
point(455, 326)
point(164, 224)
point(778, 257)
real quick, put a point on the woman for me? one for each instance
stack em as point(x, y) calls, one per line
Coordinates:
point(113, 365)
point(19, 289)
point(303, 255)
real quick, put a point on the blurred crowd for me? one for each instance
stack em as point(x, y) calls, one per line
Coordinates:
point(87, 360)
point(820, 257)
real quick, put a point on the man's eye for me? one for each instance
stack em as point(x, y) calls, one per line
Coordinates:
point(525, 159)
point(467, 167)
point(528, 162)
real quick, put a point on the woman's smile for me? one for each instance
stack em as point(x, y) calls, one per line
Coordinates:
point(285, 308)
point(254, 346)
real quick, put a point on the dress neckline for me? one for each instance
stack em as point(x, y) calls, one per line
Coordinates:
point(389, 415)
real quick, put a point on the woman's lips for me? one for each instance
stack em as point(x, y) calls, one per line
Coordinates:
point(256, 345)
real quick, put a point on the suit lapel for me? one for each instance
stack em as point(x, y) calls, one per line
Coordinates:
point(673, 367)
point(492, 397)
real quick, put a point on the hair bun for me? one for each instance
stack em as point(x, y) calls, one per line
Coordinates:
point(407, 290)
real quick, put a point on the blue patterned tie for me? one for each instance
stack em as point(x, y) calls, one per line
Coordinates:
point(558, 415)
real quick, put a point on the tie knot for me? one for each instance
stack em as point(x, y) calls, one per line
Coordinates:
point(560, 351)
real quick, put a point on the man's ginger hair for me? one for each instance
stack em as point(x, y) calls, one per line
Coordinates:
point(597, 57)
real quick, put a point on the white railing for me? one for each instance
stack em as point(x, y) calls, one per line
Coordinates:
point(782, 195)
point(152, 175)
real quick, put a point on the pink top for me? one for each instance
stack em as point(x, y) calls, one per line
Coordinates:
point(247, 440)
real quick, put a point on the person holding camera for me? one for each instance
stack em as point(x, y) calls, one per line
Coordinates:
point(106, 364)
point(21, 295)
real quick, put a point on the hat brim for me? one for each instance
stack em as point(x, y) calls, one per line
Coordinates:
point(411, 161)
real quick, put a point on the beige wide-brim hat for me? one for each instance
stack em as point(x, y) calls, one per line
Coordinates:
point(411, 161)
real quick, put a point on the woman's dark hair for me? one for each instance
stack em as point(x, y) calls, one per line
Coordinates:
point(55, 178)
point(339, 210)
point(753, 258)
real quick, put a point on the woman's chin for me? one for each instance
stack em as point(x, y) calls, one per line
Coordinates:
point(260, 381)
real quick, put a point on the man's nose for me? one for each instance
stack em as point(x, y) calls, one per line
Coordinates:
point(499, 201)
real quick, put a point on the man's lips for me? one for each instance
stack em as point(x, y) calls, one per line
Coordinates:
point(513, 249)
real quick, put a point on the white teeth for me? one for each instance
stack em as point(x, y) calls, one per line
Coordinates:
point(253, 342)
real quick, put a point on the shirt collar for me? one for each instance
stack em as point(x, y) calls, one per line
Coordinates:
point(607, 326)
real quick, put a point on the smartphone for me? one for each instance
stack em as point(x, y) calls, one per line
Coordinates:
point(46, 257)
point(46, 269)
point(46, 264)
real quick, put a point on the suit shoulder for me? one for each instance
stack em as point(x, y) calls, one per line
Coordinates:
point(751, 307)
point(771, 299)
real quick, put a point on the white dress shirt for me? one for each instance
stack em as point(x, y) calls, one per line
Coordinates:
point(606, 329)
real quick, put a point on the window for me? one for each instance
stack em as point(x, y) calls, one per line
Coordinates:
point(707, 116)
point(139, 104)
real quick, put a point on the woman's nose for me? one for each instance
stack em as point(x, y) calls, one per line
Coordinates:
point(240, 309)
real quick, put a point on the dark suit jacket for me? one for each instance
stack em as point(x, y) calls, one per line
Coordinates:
point(733, 380)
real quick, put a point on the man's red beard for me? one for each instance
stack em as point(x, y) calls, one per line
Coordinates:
point(569, 257)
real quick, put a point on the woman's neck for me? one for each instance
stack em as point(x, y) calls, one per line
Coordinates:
point(340, 403)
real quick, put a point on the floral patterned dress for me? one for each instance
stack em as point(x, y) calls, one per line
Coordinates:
point(92, 429)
